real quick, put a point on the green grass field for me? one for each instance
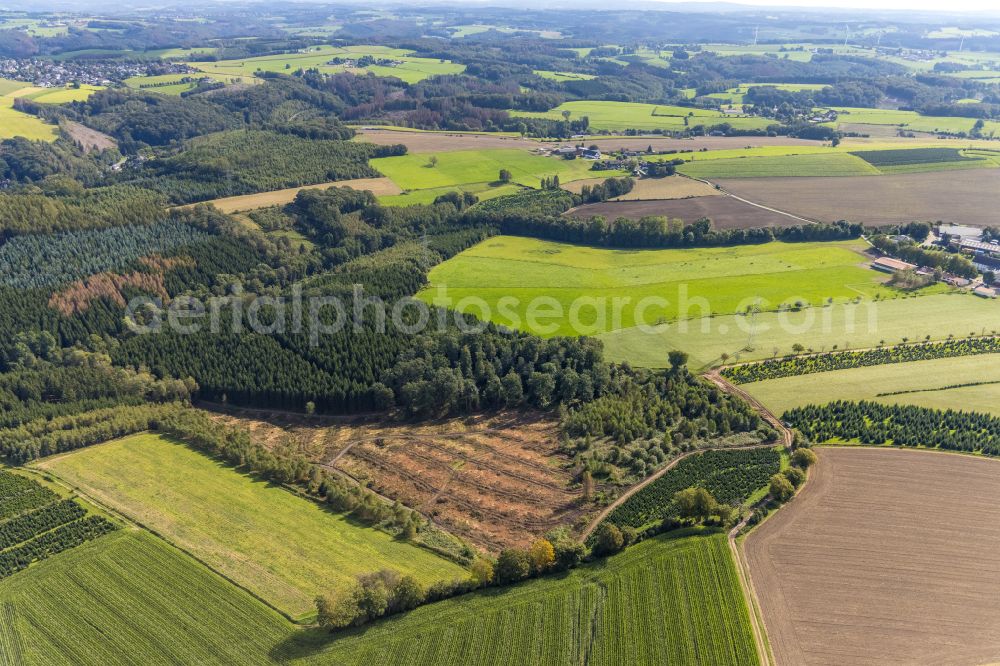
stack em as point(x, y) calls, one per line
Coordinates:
point(695, 282)
point(664, 601)
point(278, 545)
point(482, 190)
point(14, 123)
point(823, 164)
point(64, 95)
point(128, 597)
point(920, 383)
point(847, 326)
point(410, 68)
point(910, 120)
point(564, 76)
point(475, 170)
point(627, 115)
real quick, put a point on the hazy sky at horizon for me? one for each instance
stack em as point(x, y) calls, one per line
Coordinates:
point(990, 6)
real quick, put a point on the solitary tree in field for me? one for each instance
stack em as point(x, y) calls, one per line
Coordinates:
point(798, 348)
point(677, 359)
point(566, 114)
point(505, 176)
point(432, 161)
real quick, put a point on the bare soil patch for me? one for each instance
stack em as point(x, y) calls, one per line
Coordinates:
point(377, 186)
point(442, 142)
point(725, 212)
point(495, 480)
point(964, 197)
point(89, 139)
point(886, 557)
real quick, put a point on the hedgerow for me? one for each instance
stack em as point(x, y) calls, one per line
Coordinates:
point(794, 366)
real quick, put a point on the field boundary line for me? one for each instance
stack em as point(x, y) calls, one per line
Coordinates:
point(727, 193)
point(137, 524)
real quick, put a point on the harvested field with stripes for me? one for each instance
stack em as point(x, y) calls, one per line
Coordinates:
point(497, 481)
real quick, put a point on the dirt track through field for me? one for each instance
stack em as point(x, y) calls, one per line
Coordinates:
point(887, 556)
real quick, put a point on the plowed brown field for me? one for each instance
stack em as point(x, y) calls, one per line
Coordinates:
point(964, 197)
point(886, 557)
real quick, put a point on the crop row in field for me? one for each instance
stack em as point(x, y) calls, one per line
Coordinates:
point(663, 601)
point(970, 383)
point(731, 476)
point(37, 525)
point(904, 156)
point(281, 546)
point(129, 597)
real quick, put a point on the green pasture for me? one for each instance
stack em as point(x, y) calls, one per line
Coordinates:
point(410, 68)
point(807, 164)
point(910, 120)
point(63, 95)
point(848, 326)
point(564, 76)
point(8, 86)
point(482, 190)
point(931, 383)
point(15, 123)
point(280, 546)
point(479, 167)
point(506, 274)
point(628, 115)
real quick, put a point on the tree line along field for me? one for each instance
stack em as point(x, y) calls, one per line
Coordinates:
point(697, 282)
point(666, 600)
point(886, 556)
point(848, 326)
point(282, 547)
point(968, 383)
